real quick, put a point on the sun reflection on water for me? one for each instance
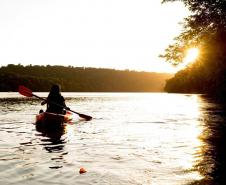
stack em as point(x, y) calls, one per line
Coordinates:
point(193, 133)
point(174, 128)
point(189, 128)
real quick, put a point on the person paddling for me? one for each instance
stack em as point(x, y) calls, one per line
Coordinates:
point(56, 97)
point(28, 93)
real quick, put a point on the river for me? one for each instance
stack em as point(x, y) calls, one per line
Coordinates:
point(133, 139)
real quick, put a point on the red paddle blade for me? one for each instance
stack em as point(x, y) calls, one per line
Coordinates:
point(25, 91)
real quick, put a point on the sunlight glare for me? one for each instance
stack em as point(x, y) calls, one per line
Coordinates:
point(191, 55)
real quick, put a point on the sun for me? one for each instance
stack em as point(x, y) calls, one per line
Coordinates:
point(191, 55)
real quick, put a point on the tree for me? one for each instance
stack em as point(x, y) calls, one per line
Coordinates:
point(206, 22)
point(205, 28)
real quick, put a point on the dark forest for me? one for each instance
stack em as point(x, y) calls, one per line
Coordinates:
point(79, 79)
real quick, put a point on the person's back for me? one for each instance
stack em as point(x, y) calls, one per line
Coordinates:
point(54, 98)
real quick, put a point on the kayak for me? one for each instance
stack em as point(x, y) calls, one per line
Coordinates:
point(53, 117)
point(52, 121)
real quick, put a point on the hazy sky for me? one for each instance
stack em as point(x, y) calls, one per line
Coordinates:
point(120, 34)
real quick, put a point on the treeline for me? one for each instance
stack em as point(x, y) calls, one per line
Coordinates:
point(204, 28)
point(79, 79)
point(207, 75)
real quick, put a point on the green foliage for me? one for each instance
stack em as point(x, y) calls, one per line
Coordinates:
point(79, 79)
point(205, 28)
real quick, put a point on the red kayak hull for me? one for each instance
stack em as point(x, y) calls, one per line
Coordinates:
point(52, 117)
point(47, 121)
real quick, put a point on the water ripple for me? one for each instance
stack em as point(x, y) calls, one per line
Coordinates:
point(133, 139)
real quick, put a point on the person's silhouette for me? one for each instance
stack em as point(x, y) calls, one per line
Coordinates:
point(54, 98)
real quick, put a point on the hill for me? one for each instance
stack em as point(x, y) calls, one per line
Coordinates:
point(79, 79)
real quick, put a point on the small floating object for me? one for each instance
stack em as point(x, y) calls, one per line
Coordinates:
point(82, 170)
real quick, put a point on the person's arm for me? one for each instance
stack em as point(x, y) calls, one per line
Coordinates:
point(44, 102)
point(64, 104)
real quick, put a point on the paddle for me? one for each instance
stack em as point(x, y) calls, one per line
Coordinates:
point(28, 93)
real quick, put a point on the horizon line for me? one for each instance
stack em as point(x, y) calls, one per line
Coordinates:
point(72, 66)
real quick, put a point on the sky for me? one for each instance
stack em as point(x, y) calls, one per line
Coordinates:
point(118, 34)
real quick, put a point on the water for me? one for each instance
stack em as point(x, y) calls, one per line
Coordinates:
point(134, 139)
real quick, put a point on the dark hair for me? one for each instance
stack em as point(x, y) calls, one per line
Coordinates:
point(55, 90)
